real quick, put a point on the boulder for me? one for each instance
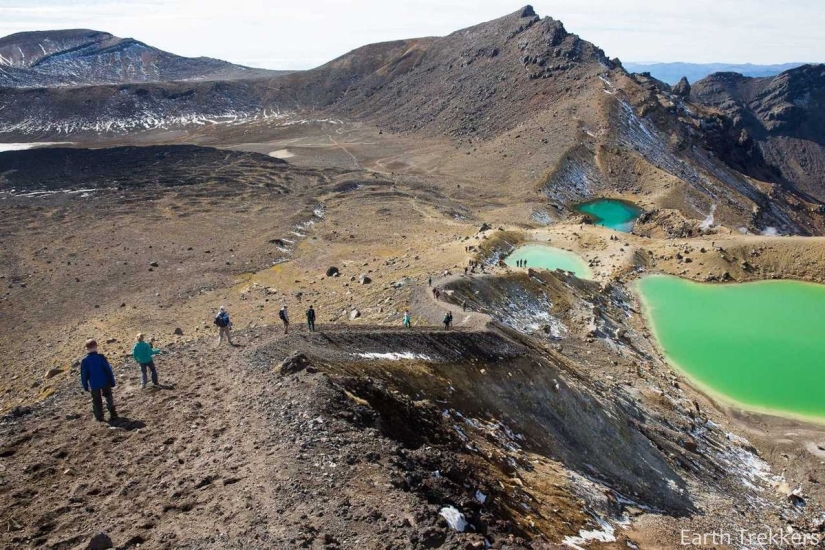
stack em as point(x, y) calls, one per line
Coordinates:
point(178, 331)
point(354, 314)
point(796, 498)
point(101, 541)
point(364, 279)
point(682, 88)
point(485, 227)
point(294, 363)
point(51, 373)
point(333, 271)
point(153, 264)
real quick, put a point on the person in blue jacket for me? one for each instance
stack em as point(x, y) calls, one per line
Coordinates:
point(143, 353)
point(97, 377)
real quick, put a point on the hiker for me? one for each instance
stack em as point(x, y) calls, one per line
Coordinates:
point(284, 315)
point(464, 305)
point(143, 353)
point(430, 281)
point(406, 318)
point(465, 271)
point(311, 319)
point(97, 377)
point(448, 319)
point(224, 325)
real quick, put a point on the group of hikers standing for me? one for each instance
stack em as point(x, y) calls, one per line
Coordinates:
point(97, 376)
point(224, 324)
point(521, 263)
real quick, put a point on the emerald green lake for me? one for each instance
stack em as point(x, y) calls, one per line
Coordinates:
point(761, 344)
point(540, 256)
point(613, 214)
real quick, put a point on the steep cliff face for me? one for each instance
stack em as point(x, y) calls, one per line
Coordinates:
point(780, 119)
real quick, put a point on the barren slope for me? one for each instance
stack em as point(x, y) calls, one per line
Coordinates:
point(82, 57)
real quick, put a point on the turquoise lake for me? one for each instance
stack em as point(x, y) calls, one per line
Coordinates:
point(541, 256)
point(613, 214)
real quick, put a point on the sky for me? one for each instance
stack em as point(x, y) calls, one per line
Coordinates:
point(278, 34)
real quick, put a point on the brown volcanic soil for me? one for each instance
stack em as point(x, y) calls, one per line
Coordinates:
point(222, 404)
point(560, 433)
point(228, 453)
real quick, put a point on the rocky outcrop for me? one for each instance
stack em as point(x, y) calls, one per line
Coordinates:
point(294, 363)
point(779, 121)
point(682, 88)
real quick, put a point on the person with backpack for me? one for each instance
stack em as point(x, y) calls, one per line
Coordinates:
point(311, 319)
point(224, 325)
point(284, 315)
point(143, 353)
point(97, 377)
point(407, 318)
point(448, 320)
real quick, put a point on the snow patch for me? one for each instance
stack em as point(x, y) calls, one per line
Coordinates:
point(455, 519)
point(395, 356)
point(606, 533)
point(23, 146)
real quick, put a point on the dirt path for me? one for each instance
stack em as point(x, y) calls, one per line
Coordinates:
point(347, 151)
point(185, 446)
point(470, 320)
point(226, 454)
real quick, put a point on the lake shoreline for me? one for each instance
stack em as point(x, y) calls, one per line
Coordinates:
point(719, 397)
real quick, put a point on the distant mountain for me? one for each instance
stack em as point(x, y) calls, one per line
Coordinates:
point(474, 82)
point(671, 73)
point(518, 96)
point(82, 57)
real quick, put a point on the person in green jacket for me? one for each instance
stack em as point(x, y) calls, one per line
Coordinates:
point(143, 353)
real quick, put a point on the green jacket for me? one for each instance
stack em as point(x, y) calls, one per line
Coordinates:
point(143, 352)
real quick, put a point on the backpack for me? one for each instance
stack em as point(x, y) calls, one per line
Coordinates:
point(281, 315)
point(221, 320)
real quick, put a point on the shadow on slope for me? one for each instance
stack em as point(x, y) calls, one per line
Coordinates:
point(489, 377)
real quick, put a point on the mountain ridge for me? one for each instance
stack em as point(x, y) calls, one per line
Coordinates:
point(520, 93)
point(85, 57)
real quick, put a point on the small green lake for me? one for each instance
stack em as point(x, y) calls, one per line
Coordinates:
point(541, 256)
point(759, 344)
point(611, 213)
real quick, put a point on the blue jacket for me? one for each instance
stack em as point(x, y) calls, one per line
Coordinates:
point(95, 372)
